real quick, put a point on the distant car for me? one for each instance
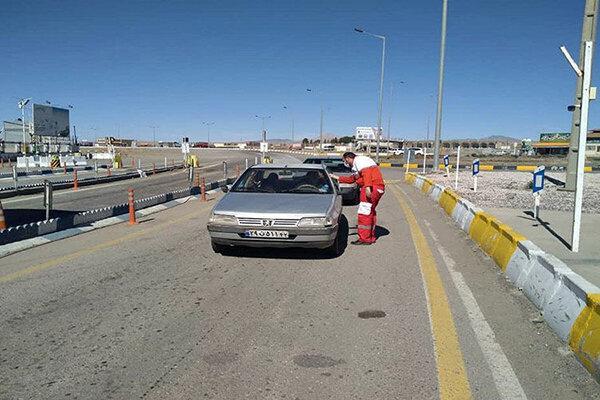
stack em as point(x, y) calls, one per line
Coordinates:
point(397, 152)
point(335, 165)
point(279, 206)
point(415, 151)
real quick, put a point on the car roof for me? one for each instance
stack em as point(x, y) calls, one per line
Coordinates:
point(288, 166)
point(333, 158)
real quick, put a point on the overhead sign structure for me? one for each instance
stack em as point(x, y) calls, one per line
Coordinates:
point(537, 187)
point(475, 170)
point(264, 147)
point(50, 121)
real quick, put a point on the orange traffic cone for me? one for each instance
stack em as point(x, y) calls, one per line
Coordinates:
point(2, 220)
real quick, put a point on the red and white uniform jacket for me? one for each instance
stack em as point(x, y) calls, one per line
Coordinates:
point(366, 173)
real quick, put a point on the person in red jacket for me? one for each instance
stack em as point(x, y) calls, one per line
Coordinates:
point(367, 176)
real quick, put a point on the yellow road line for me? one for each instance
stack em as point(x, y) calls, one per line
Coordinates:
point(90, 250)
point(452, 375)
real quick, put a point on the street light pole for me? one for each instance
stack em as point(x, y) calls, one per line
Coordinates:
point(21, 104)
point(263, 118)
point(380, 87)
point(438, 116)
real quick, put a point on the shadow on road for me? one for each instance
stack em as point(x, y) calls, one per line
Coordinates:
point(546, 226)
point(294, 253)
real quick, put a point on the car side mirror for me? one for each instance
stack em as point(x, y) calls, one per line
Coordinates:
point(224, 189)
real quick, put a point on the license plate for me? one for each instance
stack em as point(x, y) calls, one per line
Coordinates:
point(267, 234)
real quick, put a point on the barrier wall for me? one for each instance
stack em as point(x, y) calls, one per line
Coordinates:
point(569, 304)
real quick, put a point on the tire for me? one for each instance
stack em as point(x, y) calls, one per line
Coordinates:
point(218, 248)
point(335, 250)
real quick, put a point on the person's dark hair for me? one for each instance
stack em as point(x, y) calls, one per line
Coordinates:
point(349, 154)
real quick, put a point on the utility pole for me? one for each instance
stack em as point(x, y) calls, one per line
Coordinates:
point(321, 131)
point(588, 34)
point(438, 117)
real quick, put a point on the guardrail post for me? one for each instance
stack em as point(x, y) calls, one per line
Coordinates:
point(153, 168)
point(48, 198)
point(75, 180)
point(131, 199)
point(224, 169)
point(203, 190)
point(15, 176)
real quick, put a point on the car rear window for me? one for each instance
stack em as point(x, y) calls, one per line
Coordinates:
point(284, 180)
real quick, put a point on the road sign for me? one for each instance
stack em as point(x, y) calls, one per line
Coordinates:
point(264, 147)
point(185, 148)
point(538, 179)
point(476, 166)
point(446, 161)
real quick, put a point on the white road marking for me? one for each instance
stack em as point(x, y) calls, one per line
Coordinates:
point(505, 379)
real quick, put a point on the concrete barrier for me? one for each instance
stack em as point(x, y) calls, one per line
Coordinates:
point(570, 305)
point(34, 229)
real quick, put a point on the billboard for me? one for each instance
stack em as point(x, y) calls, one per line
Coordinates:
point(366, 133)
point(50, 121)
point(555, 137)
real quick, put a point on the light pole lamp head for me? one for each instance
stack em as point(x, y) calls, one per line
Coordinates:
point(23, 102)
point(359, 30)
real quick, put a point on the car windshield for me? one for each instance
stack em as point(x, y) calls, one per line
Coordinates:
point(332, 164)
point(284, 180)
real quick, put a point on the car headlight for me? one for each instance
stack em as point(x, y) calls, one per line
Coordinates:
point(223, 219)
point(318, 221)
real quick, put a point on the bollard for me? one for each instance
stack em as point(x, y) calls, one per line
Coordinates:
point(9, 163)
point(139, 163)
point(190, 175)
point(2, 220)
point(75, 180)
point(203, 190)
point(165, 162)
point(131, 199)
point(153, 168)
point(96, 168)
point(237, 171)
point(246, 163)
point(15, 176)
point(255, 160)
point(224, 169)
point(65, 167)
point(48, 198)
point(132, 162)
point(109, 172)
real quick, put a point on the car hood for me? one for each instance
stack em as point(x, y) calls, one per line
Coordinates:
point(275, 204)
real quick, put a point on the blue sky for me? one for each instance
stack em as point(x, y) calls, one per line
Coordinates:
point(129, 65)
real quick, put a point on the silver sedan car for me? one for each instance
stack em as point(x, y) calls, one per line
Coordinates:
point(279, 206)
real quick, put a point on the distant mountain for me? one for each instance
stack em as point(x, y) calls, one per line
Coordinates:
point(501, 138)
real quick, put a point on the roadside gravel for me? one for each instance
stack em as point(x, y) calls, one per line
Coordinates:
point(511, 189)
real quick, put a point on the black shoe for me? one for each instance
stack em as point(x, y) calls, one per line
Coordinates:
point(359, 242)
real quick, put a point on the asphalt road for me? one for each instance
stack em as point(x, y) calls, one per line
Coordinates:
point(149, 311)
point(30, 208)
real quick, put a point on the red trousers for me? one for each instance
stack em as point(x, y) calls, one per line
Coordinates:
point(367, 214)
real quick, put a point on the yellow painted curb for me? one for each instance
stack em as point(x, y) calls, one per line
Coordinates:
point(530, 168)
point(427, 184)
point(585, 335)
point(448, 200)
point(587, 169)
point(410, 177)
point(486, 167)
point(506, 245)
point(385, 164)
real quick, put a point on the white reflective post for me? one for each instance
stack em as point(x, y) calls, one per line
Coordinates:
point(583, 127)
point(424, 158)
point(457, 168)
